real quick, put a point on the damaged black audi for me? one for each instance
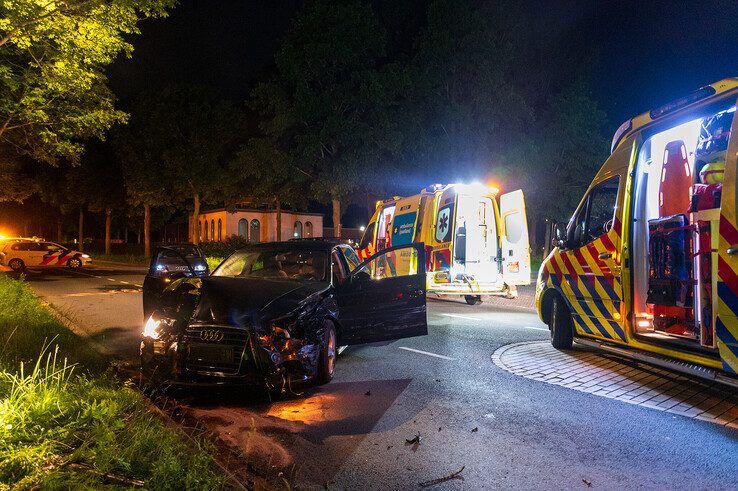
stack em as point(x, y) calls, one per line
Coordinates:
point(276, 313)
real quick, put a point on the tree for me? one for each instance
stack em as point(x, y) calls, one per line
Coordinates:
point(177, 147)
point(53, 91)
point(463, 107)
point(330, 92)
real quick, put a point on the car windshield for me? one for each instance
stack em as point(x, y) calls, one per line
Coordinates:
point(300, 265)
point(186, 250)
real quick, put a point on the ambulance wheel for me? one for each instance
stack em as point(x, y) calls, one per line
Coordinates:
point(74, 263)
point(473, 299)
point(560, 324)
point(17, 264)
point(328, 355)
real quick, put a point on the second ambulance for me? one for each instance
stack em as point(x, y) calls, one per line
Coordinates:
point(475, 245)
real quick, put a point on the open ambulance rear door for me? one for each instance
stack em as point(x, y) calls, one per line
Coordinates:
point(515, 244)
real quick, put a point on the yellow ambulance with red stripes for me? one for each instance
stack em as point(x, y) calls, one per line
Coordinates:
point(647, 267)
point(476, 241)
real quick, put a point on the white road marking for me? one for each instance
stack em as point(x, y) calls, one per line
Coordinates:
point(425, 353)
point(536, 328)
point(124, 282)
point(463, 317)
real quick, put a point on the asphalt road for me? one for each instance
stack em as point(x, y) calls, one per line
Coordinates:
point(504, 430)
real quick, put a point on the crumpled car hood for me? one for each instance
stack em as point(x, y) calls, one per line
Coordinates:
point(241, 302)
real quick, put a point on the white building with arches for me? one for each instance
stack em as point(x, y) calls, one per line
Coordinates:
point(257, 225)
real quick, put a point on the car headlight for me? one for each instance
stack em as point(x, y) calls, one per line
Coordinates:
point(200, 268)
point(151, 328)
point(86, 256)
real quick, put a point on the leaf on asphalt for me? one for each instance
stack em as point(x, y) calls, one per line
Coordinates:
point(440, 480)
point(587, 482)
point(415, 440)
point(368, 393)
point(475, 429)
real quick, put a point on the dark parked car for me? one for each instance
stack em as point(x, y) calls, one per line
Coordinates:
point(275, 313)
point(169, 263)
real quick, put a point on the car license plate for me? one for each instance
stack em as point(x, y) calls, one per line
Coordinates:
point(212, 354)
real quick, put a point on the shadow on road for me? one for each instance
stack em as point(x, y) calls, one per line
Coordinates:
point(310, 436)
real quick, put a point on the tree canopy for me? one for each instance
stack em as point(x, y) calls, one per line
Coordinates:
point(53, 87)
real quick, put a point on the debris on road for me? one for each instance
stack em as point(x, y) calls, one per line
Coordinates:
point(368, 393)
point(450, 477)
point(475, 429)
point(415, 440)
point(587, 482)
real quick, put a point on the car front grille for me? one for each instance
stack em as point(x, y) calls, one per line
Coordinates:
point(215, 349)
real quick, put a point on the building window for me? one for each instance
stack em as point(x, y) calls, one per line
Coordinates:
point(308, 229)
point(243, 228)
point(297, 232)
point(220, 230)
point(212, 229)
point(205, 229)
point(255, 231)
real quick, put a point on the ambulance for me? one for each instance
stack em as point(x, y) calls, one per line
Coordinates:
point(647, 267)
point(475, 244)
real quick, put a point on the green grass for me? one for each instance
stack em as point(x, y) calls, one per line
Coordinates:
point(66, 424)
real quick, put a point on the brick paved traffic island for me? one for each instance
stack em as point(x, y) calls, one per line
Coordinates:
point(596, 373)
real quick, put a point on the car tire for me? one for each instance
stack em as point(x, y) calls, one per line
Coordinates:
point(16, 264)
point(74, 263)
point(473, 299)
point(328, 354)
point(561, 325)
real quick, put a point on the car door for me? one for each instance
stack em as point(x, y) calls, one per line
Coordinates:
point(590, 264)
point(166, 266)
point(384, 297)
point(514, 239)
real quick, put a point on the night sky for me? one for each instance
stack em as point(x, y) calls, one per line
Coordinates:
point(647, 52)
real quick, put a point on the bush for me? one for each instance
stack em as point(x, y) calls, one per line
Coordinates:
point(225, 248)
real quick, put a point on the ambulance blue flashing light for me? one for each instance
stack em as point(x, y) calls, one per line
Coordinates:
point(672, 106)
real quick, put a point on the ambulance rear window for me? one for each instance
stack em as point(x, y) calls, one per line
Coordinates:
point(368, 236)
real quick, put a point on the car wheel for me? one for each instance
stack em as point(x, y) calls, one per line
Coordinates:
point(473, 299)
point(561, 325)
point(17, 264)
point(74, 263)
point(328, 352)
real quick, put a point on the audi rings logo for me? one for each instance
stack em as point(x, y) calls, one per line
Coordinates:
point(211, 335)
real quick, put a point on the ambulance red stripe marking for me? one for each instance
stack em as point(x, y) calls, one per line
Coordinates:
point(726, 273)
point(569, 267)
point(557, 270)
point(604, 268)
point(728, 231)
point(582, 261)
point(609, 246)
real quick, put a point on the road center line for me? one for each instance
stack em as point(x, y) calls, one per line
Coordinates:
point(426, 353)
point(463, 317)
point(536, 328)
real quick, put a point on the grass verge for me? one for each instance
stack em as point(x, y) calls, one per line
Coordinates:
point(66, 423)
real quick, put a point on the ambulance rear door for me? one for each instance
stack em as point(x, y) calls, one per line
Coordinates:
point(514, 239)
point(402, 232)
point(367, 244)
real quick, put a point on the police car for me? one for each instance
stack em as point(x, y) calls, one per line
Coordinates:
point(21, 253)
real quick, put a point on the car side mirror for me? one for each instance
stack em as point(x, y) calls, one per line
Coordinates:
point(560, 239)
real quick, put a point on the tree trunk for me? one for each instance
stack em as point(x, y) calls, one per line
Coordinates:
point(147, 230)
point(108, 222)
point(336, 218)
point(81, 230)
point(59, 228)
point(194, 232)
point(278, 204)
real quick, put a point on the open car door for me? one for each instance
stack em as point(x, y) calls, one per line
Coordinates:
point(515, 244)
point(384, 297)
